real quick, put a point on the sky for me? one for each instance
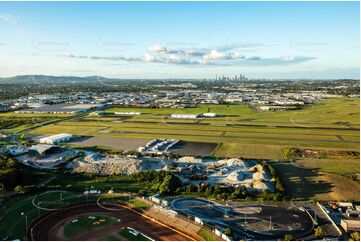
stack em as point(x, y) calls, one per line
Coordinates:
point(296, 40)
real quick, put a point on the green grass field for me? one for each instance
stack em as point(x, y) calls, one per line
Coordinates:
point(85, 223)
point(206, 235)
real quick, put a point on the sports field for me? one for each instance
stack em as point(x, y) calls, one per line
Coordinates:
point(239, 131)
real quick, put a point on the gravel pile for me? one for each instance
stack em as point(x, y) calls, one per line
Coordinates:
point(189, 159)
point(106, 165)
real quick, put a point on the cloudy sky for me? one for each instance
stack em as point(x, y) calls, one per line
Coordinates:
point(181, 40)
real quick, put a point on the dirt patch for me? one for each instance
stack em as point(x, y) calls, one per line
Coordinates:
point(305, 184)
point(115, 143)
point(193, 148)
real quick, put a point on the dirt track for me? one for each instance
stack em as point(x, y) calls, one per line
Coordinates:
point(47, 227)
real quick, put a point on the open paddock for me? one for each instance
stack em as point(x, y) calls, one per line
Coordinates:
point(312, 179)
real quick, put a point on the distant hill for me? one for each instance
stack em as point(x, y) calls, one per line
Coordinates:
point(43, 79)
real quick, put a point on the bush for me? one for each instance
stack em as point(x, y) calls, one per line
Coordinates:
point(288, 237)
point(319, 232)
point(355, 236)
point(19, 190)
point(228, 231)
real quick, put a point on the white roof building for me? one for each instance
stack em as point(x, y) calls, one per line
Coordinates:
point(55, 139)
point(127, 113)
point(185, 116)
point(211, 115)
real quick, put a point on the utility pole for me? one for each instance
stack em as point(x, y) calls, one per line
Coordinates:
point(270, 222)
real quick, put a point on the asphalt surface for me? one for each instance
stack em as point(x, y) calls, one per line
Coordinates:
point(257, 222)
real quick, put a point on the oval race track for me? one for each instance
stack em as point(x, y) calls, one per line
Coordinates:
point(47, 227)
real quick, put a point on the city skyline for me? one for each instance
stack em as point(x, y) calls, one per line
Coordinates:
point(308, 40)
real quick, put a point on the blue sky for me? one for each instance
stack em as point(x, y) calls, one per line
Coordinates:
point(181, 39)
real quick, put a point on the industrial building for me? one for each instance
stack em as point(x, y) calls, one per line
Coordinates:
point(62, 108)
point(127, 113)
point(272, 108)
point(41, 150)
point(55, 139)
point(350, 225)
point(185, 116)
point(209, 115)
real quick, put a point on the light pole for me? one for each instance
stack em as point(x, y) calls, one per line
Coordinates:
point(26, 220)
point(38, 209)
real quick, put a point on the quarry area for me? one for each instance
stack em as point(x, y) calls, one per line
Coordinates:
point(191, 170)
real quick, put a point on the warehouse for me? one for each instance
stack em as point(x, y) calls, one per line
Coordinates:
point(209, 115)
point(350, 225)
point(272, 108)
point(127, 113)
point(185, 116)
point(41, 151)
point(55, 139)
point(62, 108)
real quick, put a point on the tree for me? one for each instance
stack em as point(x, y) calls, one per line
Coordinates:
point(228, 231)
point(288, 237)
point(169, 184)
point(319, 232)
point(209, 190)
point(189, 189)
point(19, 189)
point(355, 236)
point(217, 189)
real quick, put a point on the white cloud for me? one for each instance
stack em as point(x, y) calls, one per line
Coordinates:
point(157, 48)
point(149, 58)
point(216, 55)
point(8, 18)
point(289, 58)
point(200, 56)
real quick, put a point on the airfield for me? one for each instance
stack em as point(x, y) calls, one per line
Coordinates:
point(239, 131)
